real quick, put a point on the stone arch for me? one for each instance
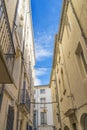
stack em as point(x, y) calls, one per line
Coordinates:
point(84, 121)
point(66, 128)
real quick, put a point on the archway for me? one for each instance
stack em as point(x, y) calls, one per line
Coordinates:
point(84, 121)
point(66, 128)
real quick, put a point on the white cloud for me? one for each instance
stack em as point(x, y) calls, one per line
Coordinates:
point(43, 49)
point(37, 81)
point(42, 53)
point(43, 45)
point(40, 71)
point(43, 39)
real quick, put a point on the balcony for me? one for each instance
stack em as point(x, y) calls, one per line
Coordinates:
point(70, 111)
point(7, 51)
point(71, 114)
point(24, 101)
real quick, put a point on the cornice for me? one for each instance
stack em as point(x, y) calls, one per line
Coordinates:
point(54, 58)
point(41, 86)
point(62, 20)
point(55, 51)
point(58, 36)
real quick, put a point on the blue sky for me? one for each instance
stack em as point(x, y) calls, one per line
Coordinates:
point(46, 18)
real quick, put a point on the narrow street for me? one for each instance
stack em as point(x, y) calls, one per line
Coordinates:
point(43, 65)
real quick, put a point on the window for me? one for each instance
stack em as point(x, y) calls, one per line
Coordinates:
point(34, 103)
point(74, 126)
point(42, 91)
point(24, 84)
point(66, 128)
point(10, 118)
point(43, 118)
point(21, 122)
point(60, 86)
point(63, 84)
point(1, 94)
point(27, 126)
point(30, 127)
point(68, 26)
point(43, 100)
point(85, 123)
point(35, 120)
point(59, 58)
point(1, 9)
point(81, 60)
point(84, 62)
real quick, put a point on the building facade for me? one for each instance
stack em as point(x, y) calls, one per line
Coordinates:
point(43, 118)
point(69, 72)
point(17, 60)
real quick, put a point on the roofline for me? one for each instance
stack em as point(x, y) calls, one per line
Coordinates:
point(62, 19)
point(58, 37)
point(54, 57)
point(32, 32)
point(42, 85)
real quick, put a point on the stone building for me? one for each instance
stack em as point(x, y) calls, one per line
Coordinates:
point(68, 80)
point(43, 117)
point(17, 59)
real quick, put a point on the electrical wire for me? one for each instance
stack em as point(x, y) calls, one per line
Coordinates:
point(43, 103)
point(42, 66)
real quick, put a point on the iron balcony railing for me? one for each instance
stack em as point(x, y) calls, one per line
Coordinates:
point(6, 42)
point(25, 99)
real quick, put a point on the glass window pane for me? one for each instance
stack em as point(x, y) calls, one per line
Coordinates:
point(42, 91)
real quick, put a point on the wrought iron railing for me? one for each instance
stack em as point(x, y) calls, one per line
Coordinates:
point(6, 41)
point(25, 99)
